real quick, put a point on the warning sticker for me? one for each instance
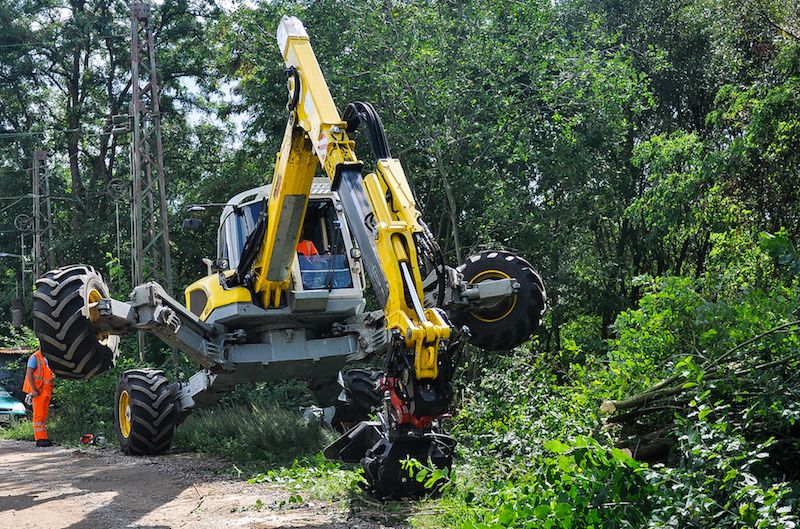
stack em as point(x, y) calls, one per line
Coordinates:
point(322, 146)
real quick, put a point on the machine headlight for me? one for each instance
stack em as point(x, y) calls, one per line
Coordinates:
point(18, 407)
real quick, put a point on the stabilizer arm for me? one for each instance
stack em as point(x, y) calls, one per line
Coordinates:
point(152, 310)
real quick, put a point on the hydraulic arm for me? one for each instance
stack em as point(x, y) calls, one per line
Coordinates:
point(385, 222)
point(381, 210)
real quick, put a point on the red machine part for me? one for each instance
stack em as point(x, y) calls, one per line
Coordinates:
point(402, 413)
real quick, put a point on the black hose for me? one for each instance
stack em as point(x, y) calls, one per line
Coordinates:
point(291, 71)
point(360, 112)
point(434, 253)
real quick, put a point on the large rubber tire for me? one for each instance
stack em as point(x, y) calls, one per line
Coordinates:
point(145, 411)
point(510, 322)
point(362, 390)
point(63, 311)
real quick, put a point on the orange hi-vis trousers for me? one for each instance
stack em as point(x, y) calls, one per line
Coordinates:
point(41, 406)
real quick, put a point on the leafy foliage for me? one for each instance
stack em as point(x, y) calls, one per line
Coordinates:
point(315, 478)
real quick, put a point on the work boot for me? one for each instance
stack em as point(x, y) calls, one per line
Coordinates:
point(44, 442)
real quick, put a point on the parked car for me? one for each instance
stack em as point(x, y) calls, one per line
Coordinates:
point(10, 408)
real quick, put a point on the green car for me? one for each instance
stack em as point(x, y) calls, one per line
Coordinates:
point(10, 408)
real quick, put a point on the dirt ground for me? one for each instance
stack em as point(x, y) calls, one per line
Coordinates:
point(61, 488)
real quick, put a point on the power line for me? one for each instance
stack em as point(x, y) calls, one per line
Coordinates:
point(4, 171)
point(34, 45)
point(14, 135)
point(12, 204)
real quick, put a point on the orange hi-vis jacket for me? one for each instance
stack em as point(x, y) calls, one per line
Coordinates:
point(306, 248)
point(42, 376)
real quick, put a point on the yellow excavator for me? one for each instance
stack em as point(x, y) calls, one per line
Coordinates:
point(284, 298)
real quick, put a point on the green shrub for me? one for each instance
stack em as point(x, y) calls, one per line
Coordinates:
point(535, 451)
point(314, 477)
point(721, 481)
point(255, 432)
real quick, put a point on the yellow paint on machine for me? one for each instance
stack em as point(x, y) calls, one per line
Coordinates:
point(314, 133)
point(216, 294)
point(396, 224)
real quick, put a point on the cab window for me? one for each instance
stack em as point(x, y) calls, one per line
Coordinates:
point(321, 251)
point(234, 230)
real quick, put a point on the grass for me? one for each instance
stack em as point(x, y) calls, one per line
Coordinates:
point(318, 479)
point(63, 431)
point(261, 434)
point(17, 430)
point(315, 478)
point(254, 435)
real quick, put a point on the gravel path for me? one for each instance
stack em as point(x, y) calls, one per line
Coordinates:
point(58, 488)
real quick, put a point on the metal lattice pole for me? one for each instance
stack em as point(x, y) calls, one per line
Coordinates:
point(43, 258)
point(150, 231)
point(151, 245)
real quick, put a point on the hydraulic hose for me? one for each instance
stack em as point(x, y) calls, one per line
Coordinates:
point(360, 112)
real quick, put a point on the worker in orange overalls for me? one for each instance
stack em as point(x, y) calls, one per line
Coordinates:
point(39, 385)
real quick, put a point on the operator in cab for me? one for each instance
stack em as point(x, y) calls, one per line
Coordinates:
point(306, 247)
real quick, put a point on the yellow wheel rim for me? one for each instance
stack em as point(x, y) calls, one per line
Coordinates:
point(94, 297)
point(504, 307)
point(124, 406)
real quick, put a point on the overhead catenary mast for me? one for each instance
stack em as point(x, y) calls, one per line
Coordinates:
point(151, 244)
point(151, 260)
point(43, 258)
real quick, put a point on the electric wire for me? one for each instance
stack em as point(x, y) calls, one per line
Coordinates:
point(35, 45)
point(12, 204)
point(13, 135)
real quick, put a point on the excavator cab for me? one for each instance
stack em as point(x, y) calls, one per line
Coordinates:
point(326, 274)
point(321, 255)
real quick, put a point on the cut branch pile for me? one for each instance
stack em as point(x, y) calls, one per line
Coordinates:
point(646, 420)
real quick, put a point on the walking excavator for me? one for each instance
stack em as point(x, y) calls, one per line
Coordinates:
point(267, 311)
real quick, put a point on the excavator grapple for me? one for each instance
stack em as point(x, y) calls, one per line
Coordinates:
point(284, 298)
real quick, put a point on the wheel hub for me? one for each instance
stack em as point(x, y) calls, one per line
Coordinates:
point(125, 413)
point(496, 311)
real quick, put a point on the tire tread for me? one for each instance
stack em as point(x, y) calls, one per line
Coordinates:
point(153, 412)
point(65, 332)
point(523, 320)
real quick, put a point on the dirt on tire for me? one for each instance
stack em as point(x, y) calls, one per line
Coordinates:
point(93, 488)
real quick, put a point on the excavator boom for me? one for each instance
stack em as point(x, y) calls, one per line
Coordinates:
point(385, 222)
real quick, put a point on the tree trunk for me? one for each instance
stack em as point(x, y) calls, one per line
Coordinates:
point(451, 203)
